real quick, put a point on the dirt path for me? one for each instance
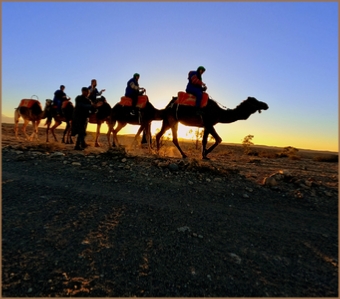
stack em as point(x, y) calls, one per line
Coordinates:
point(104, 223)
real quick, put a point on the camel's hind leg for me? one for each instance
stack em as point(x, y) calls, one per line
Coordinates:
point(110, 126)
point(24, 126)
point(120, 126)
point(164, 128)
point(56, 125)
point(135, 140)
point(35, 134)
point(96, 144)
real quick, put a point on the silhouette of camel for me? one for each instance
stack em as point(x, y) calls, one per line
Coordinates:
point(67, 110)
point(100, 116)
point(212, 114)
point(30, 110)
point(143, 118)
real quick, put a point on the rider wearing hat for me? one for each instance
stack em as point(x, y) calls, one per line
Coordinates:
point(133, 91)
point(195, 85)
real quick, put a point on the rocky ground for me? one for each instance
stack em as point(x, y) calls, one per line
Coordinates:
point(122, 223)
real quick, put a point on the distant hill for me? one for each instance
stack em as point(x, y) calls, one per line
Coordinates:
point(7, 119)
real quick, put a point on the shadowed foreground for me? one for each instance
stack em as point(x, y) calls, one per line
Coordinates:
point(109, 224)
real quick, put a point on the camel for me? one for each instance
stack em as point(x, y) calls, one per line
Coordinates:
point(67, 110)
point(212, 114)
point(30, 110)
point(144, 117)
point(102, 115)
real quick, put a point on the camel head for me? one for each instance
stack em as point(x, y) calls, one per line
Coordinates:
point(48, 103)
point(252, 105)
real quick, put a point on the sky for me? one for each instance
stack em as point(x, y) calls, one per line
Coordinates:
point(282, 53)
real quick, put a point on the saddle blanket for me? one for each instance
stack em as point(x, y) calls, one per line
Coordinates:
point(64, 104)
point(141, 103)
point(188, 99)
point(28, 103)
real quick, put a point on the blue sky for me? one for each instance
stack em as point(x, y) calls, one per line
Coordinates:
point(283, 53)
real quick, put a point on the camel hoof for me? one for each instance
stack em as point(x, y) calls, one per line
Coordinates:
point(96, 145)
point(184, 156)
point(205, 158)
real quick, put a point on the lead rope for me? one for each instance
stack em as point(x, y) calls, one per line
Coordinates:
point(177, 112)
point(218, 103)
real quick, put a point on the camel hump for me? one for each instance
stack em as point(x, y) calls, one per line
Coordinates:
point(187, 99)
point(28, 103)
point(142, 100)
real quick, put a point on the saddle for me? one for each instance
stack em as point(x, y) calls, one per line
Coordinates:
point(188, 99)
point(28, 103)
point(141, 103)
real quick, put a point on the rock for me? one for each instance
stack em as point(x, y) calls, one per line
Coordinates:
point(173, 167)
point(57, 154)
point(29, 290)
point(163, 164)
point(65, 162)
point(328, 193)
point(308, 183)
point(183, 229)
point(245, 195)
point(27, 277)
point(200, 236)
point(208, 180)
point(124, 160)
point(217, 179)
point(194, 235)
point(76, 163)
point(19, 152)
point(190, 182)
point(235, 257)
point(270, 181)
point(249, 189)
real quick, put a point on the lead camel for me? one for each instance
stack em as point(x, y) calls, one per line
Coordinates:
point(213, 114)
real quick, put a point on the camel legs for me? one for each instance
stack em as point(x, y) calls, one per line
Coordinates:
point(174, 129)
point(96, 144)
point(218, 140)
point(164, 128)
point(16, 123)
point(67, 133)
point(147, 130)
point(56, 125)
point(120, 126)
point(110, 129)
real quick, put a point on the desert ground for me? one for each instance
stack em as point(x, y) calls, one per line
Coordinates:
point(132, 222)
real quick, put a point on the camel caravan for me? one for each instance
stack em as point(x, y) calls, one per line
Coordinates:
point(192, 107)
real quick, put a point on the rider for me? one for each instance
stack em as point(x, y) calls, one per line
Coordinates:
point(94, 91)
point(133, 91)
point(59, 97)
point(195, 85)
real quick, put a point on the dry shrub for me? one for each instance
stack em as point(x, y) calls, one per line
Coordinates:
point(327, 158)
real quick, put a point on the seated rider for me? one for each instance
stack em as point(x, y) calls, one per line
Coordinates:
point(196, 86)
point(59, 97)
point(133, 91)
point(93, 91)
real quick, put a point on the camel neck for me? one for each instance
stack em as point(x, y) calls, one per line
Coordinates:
point(232, 115)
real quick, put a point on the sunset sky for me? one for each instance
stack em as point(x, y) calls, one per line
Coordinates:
point(282, 53)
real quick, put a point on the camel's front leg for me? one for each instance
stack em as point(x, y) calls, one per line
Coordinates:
point(218, 140)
